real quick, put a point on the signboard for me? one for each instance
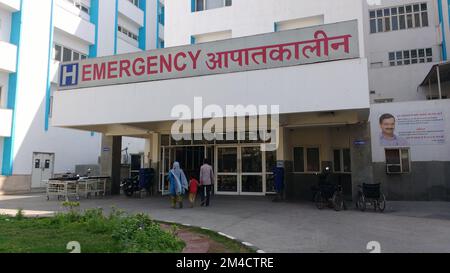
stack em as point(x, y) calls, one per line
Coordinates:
point(279, 49)
point(411, 128)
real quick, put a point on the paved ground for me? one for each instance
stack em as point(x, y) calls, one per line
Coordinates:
point(287, 227)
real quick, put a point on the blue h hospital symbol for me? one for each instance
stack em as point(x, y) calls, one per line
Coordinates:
point(68, 75)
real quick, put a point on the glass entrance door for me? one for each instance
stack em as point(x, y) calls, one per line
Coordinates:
point(252, 171)
point(240, 170)
point(227, 170)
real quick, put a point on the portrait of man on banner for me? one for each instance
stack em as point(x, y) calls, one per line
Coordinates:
point(388, 138)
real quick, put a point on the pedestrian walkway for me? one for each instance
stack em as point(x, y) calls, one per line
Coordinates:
point(288, 227)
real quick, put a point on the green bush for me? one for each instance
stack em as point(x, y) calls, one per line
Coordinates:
point(140, 234)
point(133, 233)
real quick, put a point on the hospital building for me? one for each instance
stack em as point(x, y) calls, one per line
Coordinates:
point(94, 84)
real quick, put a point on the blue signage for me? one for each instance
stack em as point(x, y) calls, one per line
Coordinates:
point(69, 75)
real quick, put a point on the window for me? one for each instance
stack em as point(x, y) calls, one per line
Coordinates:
point(200, 5)
point(64, 54)
point(161, 15)
point(398, 161)
point(135, 2)
point(436, 97)
point(388, 100)
point(398, 18)
point(79, 5)
point(161, 43)
point(299, 160)
point(413, 56)
point(128, 33)
point(306, 159)
point(342, 161)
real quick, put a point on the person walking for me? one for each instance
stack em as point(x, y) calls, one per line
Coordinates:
point(178, 185)
point(206, 182)
point(193, 189)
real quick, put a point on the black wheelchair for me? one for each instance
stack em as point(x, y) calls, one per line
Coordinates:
point(371, 195)
point(329, 195)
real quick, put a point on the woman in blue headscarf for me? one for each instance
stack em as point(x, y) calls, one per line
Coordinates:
point(178, 185)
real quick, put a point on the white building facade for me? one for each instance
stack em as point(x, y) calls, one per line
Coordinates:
point(35, 36)
point(405, 41)
point(328, 110)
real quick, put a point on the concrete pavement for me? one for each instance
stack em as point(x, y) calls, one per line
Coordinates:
point(286, 227)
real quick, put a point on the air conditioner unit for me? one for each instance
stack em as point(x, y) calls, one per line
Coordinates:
point(394, 169)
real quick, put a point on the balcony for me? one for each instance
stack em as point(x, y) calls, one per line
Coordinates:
point(8, 60)
point(131, 12)
point(10, 5)
point(5, 125)
point(72, 24)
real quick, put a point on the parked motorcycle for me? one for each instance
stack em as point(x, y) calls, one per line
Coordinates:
point(138, 183)
point(130, 185)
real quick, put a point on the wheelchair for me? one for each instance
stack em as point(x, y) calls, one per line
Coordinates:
point(371, 195)
point(331, 195)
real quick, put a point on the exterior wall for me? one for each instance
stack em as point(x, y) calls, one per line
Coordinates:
point(76, 30)
point(400, 83)
point(244, 19)
point(299, 185)
point(70, 147)
point(429, 177)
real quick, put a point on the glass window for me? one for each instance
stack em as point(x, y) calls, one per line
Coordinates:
point(424, 19)
point(251, 160)
point(421, 53)
point(372, 14)
point(213, 4)
point(199, 5)
point(76, 56)
point(408, 9)
point(387, 24)
point(313, 159)
point(227, 160)
point(409, 21)
point(57, 53)
point(67, 55)
point(394, 23)
point(299, 159)
point(402, 22)
point(347, 160)
point(397, 161)
point(380, 25)
point(373, 26)
point(394, 11)
point(271, 161)
point(423, 7)
point(337, 161)
point(391, 56)
point(417, 19)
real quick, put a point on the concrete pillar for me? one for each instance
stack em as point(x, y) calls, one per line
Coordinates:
point(110, 161)
point(154, 157)
point(361, 154)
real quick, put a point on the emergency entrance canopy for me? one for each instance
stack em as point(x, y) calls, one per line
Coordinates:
point(279, 49)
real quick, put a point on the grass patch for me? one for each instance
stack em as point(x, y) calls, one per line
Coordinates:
point(96, 233)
